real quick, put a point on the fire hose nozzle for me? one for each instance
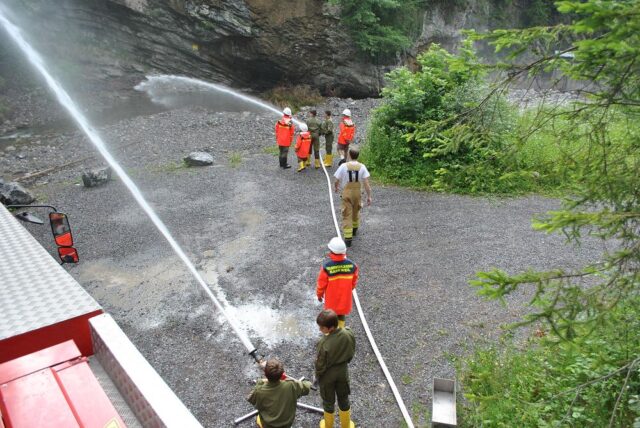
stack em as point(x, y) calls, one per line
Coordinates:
point(255, 356)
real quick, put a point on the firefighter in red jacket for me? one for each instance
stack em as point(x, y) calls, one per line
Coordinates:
point(303, 146)
point(284, 136)
point(346, 135)
point(337, 278)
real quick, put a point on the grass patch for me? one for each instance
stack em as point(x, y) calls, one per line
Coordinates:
point(546, 383)
point(235, 159)
point(407, 379)
point(420, 414)
point(170, 167)
point(271, 150)
point(294, 97)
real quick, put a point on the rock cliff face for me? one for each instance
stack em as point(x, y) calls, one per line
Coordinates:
point(253, 44)
point(248, 44)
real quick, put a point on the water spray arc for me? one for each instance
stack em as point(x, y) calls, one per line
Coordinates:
point(63, 97)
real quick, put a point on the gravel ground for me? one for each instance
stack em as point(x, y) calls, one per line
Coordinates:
point(258, 236)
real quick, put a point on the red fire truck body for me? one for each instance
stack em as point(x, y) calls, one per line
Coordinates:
point(63, 361)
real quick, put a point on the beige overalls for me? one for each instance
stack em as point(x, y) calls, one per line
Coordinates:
point(351, 200)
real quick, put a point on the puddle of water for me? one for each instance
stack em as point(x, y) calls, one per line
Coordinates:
point(275, 326)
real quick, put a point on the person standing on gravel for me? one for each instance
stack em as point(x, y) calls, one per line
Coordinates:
point(275, 398)
point(284, 136)
point(334, 352)
point(303, 147)
point(337, 278)
point(314, 128)
point(349, 176)
point(346, 135)
point(326, 129)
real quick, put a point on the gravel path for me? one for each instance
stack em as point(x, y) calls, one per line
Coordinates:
point(258, 235)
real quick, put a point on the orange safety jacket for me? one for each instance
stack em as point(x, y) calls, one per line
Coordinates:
point(336, 279)
point(303, 144)
point(347, 131)
point(284, 131)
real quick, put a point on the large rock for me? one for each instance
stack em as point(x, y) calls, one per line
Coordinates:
point(96, 177)
point(198, 159)
point(13, 193)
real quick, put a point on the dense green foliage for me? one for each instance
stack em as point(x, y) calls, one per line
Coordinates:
point(380, 28)
point(548, 384)
point(442, 128)
point(587, 371)
point(422, 135)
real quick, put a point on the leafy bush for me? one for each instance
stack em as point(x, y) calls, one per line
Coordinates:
point(380, 28)
point(549, 384)
point(586, 373)
point(426, 134)
point(294, 96)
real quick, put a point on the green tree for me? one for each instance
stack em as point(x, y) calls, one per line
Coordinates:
point(380, 28)
point(422, 135)
point(593, 304)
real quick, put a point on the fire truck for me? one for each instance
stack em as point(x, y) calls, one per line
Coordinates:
point(64, 362)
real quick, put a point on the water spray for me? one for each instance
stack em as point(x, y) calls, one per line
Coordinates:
point(63, 97)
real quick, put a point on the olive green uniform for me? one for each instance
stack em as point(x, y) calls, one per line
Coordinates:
point(326, 129)
point(314, 128)
point(276, 401)
point(334, 352)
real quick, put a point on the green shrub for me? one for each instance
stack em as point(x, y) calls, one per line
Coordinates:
point(380, 28)
point(427, 134)
point(545, 383)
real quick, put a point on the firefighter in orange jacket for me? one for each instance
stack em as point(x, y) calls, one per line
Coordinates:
point(303, 146)
point(284, 136)
point(337, 278)
point(346, 135)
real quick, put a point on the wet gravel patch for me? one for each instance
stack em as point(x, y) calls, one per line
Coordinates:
point(258, 235)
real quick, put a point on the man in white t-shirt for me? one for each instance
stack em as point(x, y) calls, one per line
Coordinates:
point(348, 177)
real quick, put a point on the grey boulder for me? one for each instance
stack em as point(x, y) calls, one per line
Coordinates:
point(199, 159)
point(96, 177)
point(14, 194)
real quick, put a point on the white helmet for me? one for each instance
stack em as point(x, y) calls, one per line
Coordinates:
point(304, 127)
point(346, 112)
point(286, 111)
point(337, 246)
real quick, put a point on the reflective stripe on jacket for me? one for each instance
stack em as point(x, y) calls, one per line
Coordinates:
point(303, 144)
point(347, 131)
point(284, 131)
point(336, 279)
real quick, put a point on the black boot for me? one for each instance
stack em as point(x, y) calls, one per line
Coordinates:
point(355, 231)
point(347, 241)
point(287, 166)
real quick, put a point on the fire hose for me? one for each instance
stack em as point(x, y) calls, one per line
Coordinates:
point(365, 324)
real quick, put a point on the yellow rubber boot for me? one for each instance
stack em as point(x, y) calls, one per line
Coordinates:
point(259, 422)
point(301, 166)
point(328, 159)
point(307, 162)
point(317, 163)
point(345, 419)
point(341, 323)
point(327, 421)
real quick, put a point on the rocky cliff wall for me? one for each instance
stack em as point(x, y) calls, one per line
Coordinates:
point(248, 44)
point(254, 44)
